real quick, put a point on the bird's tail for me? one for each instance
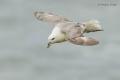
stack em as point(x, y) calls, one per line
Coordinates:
point(92, 26)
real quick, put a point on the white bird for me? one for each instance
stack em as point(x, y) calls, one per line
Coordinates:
point(68, 30)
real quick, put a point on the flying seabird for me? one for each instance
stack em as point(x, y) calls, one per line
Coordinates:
point(68, 30)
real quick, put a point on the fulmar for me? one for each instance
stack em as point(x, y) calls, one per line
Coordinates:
point(68, 30)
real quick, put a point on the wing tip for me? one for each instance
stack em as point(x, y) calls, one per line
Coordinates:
point(36, 13)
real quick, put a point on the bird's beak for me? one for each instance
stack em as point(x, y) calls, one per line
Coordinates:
point(49, 44)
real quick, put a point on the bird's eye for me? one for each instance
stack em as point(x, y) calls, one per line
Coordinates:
point(52, 38)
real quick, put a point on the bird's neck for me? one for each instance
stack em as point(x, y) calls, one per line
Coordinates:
point(56, 30)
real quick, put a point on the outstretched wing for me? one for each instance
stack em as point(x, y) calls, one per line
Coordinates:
point(50, 17)
point(84, 41)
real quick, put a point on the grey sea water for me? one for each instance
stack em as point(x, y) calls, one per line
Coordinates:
point(23, 41)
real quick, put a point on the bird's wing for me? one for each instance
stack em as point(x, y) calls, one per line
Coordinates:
point(84, 41)
point(75, 37)
point(50, 17)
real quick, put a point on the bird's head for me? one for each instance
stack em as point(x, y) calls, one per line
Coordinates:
point(55, 38)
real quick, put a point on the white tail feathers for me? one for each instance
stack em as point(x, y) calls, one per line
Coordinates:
point(92, 26)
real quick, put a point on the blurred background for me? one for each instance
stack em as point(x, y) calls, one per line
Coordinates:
point(23, 41)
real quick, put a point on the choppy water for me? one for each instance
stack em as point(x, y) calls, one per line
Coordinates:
point(23, 41)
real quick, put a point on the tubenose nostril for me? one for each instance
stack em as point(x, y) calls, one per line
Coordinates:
point(52, 38)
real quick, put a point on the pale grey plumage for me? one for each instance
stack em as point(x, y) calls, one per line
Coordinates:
point(74, 34)
point(50, 17)
point(69, 30)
